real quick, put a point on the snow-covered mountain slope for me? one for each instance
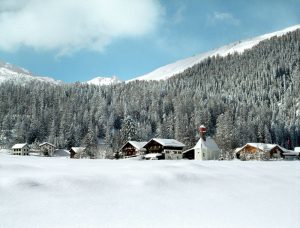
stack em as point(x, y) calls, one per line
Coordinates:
point(9, 72)
point(172, 69)
point(99, 81)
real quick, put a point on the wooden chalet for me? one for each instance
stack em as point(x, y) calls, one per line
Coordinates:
point(258, 151)
point(47, 148)
point(169, 149)
point(77, 152)
point(132, 149)
point(20, 149)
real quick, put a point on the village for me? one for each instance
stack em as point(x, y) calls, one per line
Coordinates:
point(167, 149)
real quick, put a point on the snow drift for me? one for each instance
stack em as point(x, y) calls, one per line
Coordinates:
point(57, 192)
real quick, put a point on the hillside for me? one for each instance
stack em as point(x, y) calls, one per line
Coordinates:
point(248, 97)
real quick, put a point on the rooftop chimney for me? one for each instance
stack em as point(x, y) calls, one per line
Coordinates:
point(202, 131)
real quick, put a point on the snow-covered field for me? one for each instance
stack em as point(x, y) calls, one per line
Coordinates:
point(59, 192)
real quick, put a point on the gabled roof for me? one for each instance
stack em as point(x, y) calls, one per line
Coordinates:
point(208, 144)
point(263, 146)
point(77, 149)
point(19, 145)
point(136, 144)
point(167, 142)
point(44, 143)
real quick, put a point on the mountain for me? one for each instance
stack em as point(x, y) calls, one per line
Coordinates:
point(99, 81)
point(165, 72)
point(9, 72)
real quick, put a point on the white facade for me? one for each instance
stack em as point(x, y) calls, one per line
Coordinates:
point(204, 150)
point(20, 149)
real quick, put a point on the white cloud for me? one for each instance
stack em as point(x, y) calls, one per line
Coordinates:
point(226, 17)
point(70, 25)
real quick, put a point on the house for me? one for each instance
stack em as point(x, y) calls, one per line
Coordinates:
point(169, 149)
point(292, 155)
point(20, 149)
point(205, 149)
point(259, 151)
point(77, 152)
point(47, 148)
point(132, 149)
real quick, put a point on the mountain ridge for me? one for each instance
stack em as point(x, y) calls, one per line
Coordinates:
point(169, 70)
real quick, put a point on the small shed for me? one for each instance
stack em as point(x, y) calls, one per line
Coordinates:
point(170, 149)
point(258, 151)
point(47, 148)
point(77, 152)
point(20, 149)
point(133, 148)
point(205, 149)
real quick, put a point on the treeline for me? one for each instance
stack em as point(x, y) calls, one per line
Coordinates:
point(252, 97)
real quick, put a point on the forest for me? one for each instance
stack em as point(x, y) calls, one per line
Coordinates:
point(240, 98)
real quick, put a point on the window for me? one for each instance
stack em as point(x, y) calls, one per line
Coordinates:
point(203, 155)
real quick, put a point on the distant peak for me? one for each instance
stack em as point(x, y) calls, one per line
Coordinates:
point(104, 81)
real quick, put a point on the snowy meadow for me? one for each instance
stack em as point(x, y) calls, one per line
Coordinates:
point(58, 192)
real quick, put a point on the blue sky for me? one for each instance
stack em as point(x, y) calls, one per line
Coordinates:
point(77, 42)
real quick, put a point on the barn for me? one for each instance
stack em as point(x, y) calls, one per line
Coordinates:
point(47, 148)
point(169, 149)
point(77, 152)
point(132, 149)
point(205, 149)
point(260, 151)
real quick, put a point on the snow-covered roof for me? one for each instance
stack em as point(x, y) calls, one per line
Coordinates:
point(297, 149)
point(19, 145)
point(78, 149)
point(262, 146)
point(209, 143)
point(44, 143)
point(168, 142)
point(136, 144)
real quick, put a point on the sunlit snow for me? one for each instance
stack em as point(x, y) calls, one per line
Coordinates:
point(60, 192)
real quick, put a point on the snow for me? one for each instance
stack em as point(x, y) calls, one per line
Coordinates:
point(9, 72)
point(264, 146)
point(44, 143)
point(168, 142)
point(209, 143)
point(61, 153)
point(165, 72)
point(152, 155)
point(137, 145)
point(297, 149)
point(78, 149)
point(54, 192)
point(19, 145)
point(99, 81)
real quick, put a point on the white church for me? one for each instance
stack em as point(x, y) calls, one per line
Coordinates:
point(205, 149)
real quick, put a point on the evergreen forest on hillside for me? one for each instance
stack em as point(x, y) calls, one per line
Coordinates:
point(240, 98)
